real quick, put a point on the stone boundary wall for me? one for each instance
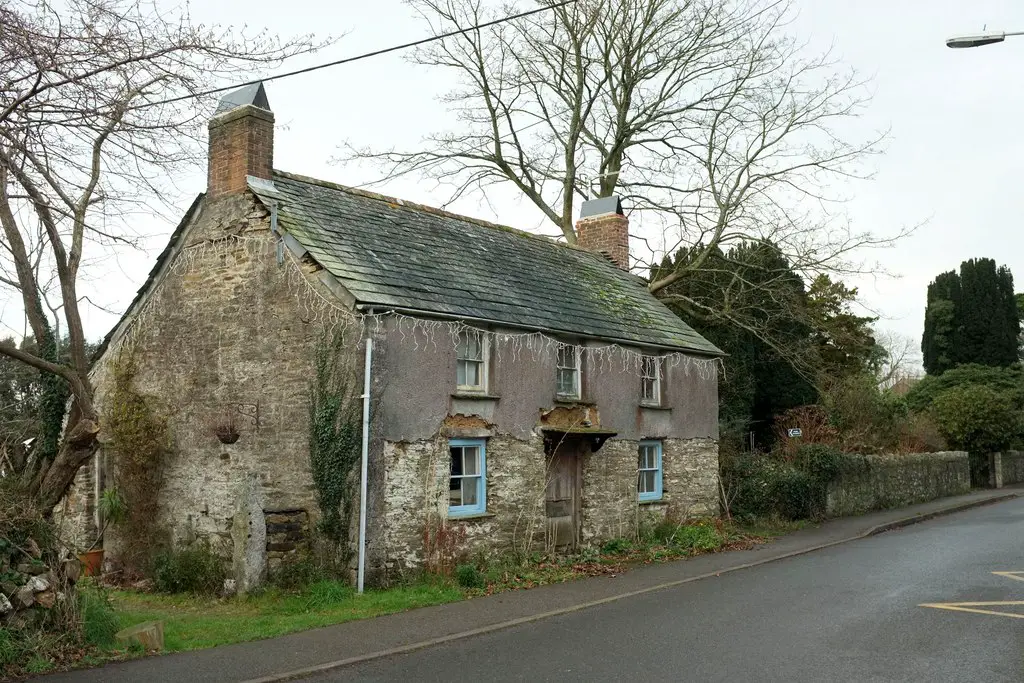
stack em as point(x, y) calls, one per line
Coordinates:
point(890, 481)
point(1013, 467)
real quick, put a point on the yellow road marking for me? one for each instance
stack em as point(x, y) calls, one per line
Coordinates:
point(971, 607)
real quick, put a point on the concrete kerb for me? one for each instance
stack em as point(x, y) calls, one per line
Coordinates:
point(924, 517)
point(412, 647)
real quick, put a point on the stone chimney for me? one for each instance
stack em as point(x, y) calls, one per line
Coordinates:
point(603, 228)
point(241, 141)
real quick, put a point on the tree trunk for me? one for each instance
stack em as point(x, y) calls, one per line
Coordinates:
point(80, 444)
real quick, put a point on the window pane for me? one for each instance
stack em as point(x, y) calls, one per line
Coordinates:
point(455, 491)
point(566, 382)
point(647, 482)
point(456, 452)
point(471, 346)
point(471, 456)
point(469, 490)
point(460, 373)
point(648, 389)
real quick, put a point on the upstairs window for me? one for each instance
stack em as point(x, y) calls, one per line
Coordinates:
point(471, 363)
point(648, 485)
point(650, 380)
point(567, 372)
point(467, 487)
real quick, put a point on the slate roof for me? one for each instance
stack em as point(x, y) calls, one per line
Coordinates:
point(392, 254)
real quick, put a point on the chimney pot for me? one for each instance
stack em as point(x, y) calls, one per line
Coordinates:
point(241, 141)
point(603, 228)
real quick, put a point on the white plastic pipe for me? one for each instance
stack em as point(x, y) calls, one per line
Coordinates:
point(366, 450)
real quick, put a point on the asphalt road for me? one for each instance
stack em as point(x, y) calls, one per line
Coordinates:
point(847, 613)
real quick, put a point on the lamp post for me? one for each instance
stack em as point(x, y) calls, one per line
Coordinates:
point(980, 39)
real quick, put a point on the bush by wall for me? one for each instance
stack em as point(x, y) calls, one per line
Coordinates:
point(189, 570)
point(820, 481)
point(977, 418)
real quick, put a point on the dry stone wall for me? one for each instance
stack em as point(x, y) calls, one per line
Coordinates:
point(890, 481)
point(1013, 467)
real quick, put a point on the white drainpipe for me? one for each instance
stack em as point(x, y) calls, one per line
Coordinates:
point(366, 449)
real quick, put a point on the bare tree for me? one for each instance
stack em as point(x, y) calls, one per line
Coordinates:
point(88, 140)
point(902, 358)
point(704, 114)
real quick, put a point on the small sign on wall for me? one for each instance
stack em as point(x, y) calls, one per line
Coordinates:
point(795, 431)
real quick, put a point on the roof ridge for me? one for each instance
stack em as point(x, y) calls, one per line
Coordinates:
point(434, 210)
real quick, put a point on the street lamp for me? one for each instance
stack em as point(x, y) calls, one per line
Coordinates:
point(979, 39)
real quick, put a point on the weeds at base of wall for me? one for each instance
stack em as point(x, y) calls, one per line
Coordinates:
point(663, 541)
point(196, 569)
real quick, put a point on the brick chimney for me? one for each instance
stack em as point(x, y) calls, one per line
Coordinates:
point(603, 228)
point(241, 141)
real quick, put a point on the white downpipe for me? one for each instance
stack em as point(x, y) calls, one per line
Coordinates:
point(366, 450)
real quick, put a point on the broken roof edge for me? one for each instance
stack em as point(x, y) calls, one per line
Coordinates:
point(384, 309)
point(269, 187)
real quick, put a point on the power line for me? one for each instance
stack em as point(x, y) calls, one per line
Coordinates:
point(375, 53)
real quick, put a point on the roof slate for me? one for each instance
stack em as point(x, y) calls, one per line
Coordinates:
point(392, 254)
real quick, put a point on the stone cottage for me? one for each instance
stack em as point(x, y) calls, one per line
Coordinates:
point(524, 393)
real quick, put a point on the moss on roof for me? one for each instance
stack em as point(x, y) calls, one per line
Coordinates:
point(394, 254)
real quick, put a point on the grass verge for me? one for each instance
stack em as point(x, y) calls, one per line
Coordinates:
point(193, 623)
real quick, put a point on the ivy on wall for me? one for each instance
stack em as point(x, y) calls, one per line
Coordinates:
point(335, 435)
point(138, 441)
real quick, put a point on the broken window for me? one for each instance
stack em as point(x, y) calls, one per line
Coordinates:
point(650, 380)
point(567, 372)
point(471, 364)
point(649, 471)
point(467, 486)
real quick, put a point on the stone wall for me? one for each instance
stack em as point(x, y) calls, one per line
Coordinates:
point(416, 483)
point(890, 481)
point(1013, 467)
point(223, 337)
point(288, 536)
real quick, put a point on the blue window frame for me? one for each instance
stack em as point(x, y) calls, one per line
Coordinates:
point(648, 483)
point(467, 484)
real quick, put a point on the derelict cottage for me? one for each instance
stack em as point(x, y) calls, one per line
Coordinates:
point(523, 393)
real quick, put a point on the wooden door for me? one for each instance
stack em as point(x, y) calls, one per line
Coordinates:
point(562, 500)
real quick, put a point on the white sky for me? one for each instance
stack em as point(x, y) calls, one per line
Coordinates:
point(952, 160)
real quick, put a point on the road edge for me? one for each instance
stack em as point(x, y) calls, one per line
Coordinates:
point(412, 647)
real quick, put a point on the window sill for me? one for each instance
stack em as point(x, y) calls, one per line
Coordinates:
point(655, 406)
point(654, 501)
point(569, 401)
point(471, 516)
point(475, 396)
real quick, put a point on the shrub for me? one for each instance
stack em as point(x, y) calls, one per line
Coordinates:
point(99, 621)
point(616, 546)
point(469, 576)
point(1008, 381)
point(976, 418)
point(865, 418)
point(297, 574)
point(190, 570)
point(918, 433)
point(767, 487)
